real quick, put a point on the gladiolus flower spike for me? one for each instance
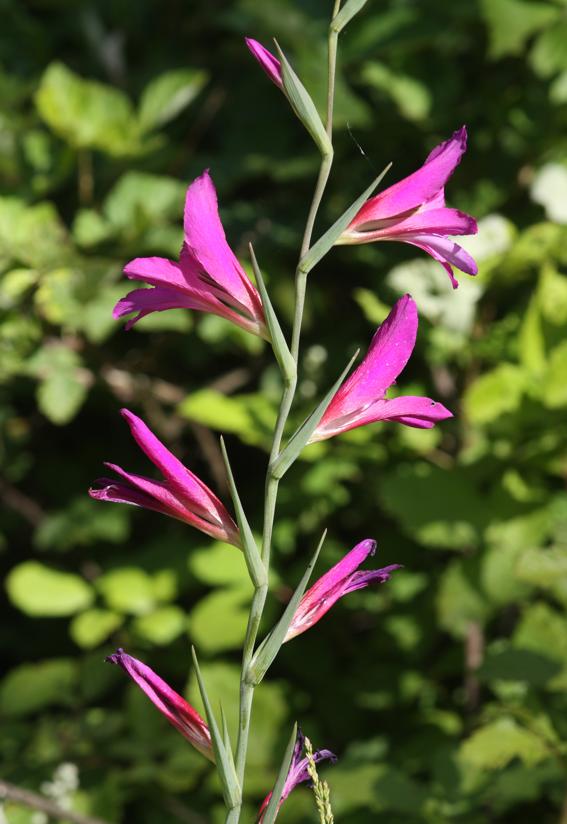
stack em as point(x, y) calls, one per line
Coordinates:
point(413, 211)
point(180, 495)
point(207, 277)
point(175, 708)
point(341, 579)
point(298, 772)
point(362, 397)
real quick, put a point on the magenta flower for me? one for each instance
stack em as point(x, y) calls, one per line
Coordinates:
point(341, 579)
point(181, 495)
point(362, 397)
point(267, 61)
point(298, 772)
point(208, 276)
point(413, 211)
point(175, 708)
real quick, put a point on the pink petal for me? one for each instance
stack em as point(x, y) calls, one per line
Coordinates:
point(154, 299)
point(447, 252)
point(319, 599)
point(267, 61)
point(175, 708)
point(416, 411)
point(418, 187)
point(183, 482)
point(207, 249)
point(389, 351)
point(425, 221)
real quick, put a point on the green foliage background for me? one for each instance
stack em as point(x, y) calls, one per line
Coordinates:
point(444, 692)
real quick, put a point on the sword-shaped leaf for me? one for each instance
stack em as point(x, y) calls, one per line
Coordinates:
point(348, 11)
point(301, 437)
point(272, 808)
point(270, 646)
point(328, 240)
point(223, 756)
point(256, 568)
point(279, 343)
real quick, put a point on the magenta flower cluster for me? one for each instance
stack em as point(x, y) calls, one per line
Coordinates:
point(208, 277)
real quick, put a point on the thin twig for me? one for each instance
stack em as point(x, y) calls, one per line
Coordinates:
point(21, 503)
point(10, 792)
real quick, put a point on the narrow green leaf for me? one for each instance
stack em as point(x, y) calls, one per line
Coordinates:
point(223, 756)
point(300, 438)
point(225, 732)
point(254, 562)
point(270, 646)
point(302, 105)
point(348, 11)
point(272, 808)
point(279, 343)
point(328, 240)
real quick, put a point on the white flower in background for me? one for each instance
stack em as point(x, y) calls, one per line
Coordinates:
point(549, 188)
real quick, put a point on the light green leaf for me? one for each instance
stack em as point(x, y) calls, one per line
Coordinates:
point(410, 95)
point(495, 393)
point(549, 55)
point(531, 340)
point(32, 687)
point(512, 22)
point(459, 600)
point(162, 626)
point(166, 96)
point(252, 416)
point(92, 627)
point(554, 383)
point(219, 563)
point(87, 114)
point(495, 745)
point(128, 590)
point(61, 395)
point(218, 621)
point(39, 590)
point(551, 292)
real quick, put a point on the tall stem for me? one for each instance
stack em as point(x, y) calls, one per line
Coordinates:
point(272, 483)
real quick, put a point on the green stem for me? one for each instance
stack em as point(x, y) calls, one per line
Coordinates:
point(271, 484)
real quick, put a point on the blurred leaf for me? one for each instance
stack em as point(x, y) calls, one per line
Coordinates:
point(495, 393)
point(92, 627)
point(514, 664)
point(548, 54)
point(39, 590)
point(410, 95)
point(440, 509)
point(32, 687)
point(252, 417)
point(219, 564)
point(554, 385)
point(495, 745)
point(459, 600)
point(128, 590)
point(162, 626)
point(218, 621)
point(512, 22)
point(166, 96)
point(83, 522)
point(87, 114)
